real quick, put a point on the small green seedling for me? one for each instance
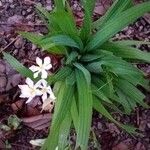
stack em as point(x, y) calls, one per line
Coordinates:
point(13, 123)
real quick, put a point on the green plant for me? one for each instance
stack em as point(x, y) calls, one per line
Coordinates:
point(97, 72)
point(13, 123)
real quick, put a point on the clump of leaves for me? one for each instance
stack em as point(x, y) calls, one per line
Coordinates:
point(97, 72)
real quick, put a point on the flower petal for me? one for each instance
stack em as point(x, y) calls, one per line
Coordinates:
point(47, 61)
point(29, 100)
point(23, 96)
point(34, 68)
point(22, 87)
point(38, 84)
point(39, 61)
point(48, 67)
point(38, 93)
point(52, 96)
point(29, 82)
point(44, 74)
point(44, 96)
point(44, 83)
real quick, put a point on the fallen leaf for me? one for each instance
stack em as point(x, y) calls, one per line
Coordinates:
point(139, 146)
point(38, 122)
point(48, 105)
point(18, 105)
point(121, 146)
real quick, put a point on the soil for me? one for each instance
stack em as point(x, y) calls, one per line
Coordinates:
point(20, 15)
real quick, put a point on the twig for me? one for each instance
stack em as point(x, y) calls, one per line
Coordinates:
point(12, 25)
point(22, 146)
point(1, 50)
point(137, 117)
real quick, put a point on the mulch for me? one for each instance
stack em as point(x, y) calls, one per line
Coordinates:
point(20, 15)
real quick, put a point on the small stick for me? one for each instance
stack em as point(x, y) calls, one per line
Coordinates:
point(137, 117)
point(1, 50)
point(12, 25)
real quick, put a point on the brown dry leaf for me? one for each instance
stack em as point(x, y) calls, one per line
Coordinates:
point(147, 17)
point(32, 111)
point(17, 105)
point(3, 98)
point(38, 122)
point(121, 146)
point(139, 146)
point(48, 105)
point(99, 9)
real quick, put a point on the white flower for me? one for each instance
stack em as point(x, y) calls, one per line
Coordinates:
point(45, 90)
point(29, 90)
point(42, 67)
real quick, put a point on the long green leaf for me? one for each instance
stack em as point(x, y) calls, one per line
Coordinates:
point(117, 7)
point(75, 114)
point(84, 71)
point(63, 104)
point(132, 92)
point(60, 75)
point(67, 25)
point(58, 40)
point(36, 39)
point(97, 92)
point(18, 66)
point(85, 110)
point(88, 6)
point(117, 24)
point(60, 4)
point(132, 42)
point(101, 109)
point(64, 132)
point(126, 51)
point(33, 37)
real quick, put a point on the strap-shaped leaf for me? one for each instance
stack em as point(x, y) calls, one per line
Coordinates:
point(18, 66)
point(33, 37)
point(126, 51)
point(75, 114)
point(115, 25)
point(119, 66)
point(36, 39)
point(60, 4)
point(97, 92)
point(60, 75)
point(88, 6)
point(132, 92)
point(84, 71)
point(85, 110)
point(124, 102)
point(63, 104)
point(67, 25)
point(44, 15)
point(57, 40)
point(132, 42)
point(137, 80)
point(64, 132)
point(90, 57)
point(117, 7)
point(101, 109)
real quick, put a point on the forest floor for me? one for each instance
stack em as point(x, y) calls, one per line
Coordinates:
point(20, 15)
